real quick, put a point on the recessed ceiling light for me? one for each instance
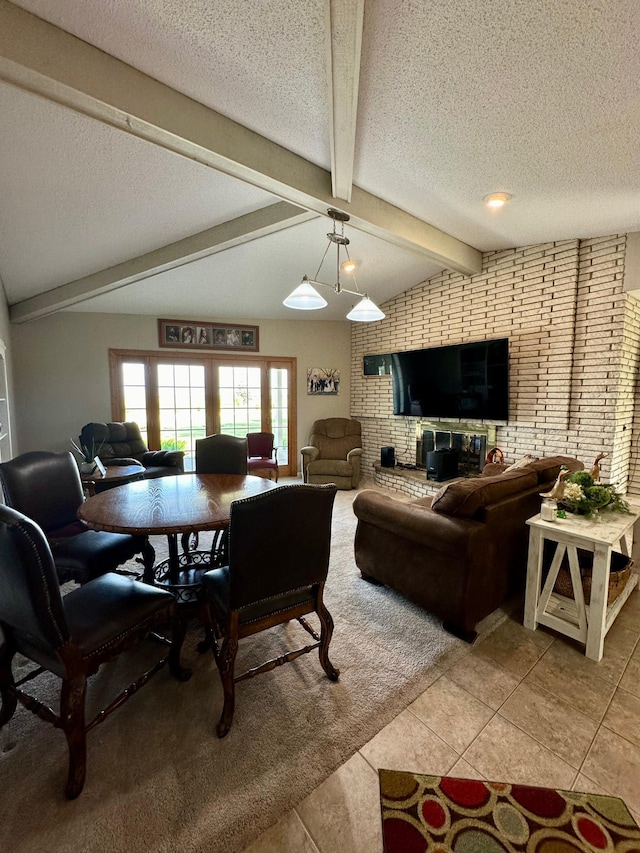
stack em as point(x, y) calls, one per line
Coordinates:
point(496, 199)
point(348, 266)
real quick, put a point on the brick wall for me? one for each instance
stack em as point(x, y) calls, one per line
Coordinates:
point(574, 343)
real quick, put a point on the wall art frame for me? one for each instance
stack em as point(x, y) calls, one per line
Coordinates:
point(323, 380)
point(201, 334)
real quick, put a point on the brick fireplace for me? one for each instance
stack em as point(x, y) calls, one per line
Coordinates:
point(574, 345)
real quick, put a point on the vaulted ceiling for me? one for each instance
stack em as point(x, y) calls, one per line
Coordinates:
point(176, 157)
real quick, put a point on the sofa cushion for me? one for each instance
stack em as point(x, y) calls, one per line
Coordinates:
point(548, 468)
point(525, 462)
point(465, 498)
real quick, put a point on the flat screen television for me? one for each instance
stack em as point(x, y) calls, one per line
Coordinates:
point(466, 381)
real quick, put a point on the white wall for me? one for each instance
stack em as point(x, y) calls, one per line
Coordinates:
point(61, 369)
point(5, 337)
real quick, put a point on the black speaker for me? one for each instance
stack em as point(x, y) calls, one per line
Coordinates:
point(442, 464)
point(388, 457)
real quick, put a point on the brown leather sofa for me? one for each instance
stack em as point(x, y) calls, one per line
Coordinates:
point(464, 552)
point(121, 443)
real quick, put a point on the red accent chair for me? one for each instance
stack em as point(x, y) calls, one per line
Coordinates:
point(262, 456)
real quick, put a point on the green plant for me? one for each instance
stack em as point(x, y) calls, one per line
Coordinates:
point(584, 497)
point(87, 453)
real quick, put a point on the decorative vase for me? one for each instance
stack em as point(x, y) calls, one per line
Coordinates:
point(87, 467)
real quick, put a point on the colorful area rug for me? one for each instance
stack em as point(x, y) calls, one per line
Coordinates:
point(441, 814)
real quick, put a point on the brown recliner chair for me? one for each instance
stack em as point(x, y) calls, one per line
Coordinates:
point(122, 444)
point(333, 453)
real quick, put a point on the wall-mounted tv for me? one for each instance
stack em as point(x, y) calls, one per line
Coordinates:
point(467, 381)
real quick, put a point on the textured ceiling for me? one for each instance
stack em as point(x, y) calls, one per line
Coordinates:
point(457, 98)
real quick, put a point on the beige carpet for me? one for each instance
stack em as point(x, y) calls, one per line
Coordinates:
point(158, 778)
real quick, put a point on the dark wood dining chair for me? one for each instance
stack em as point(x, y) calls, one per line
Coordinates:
point(262, 455)
point(72, 635)
point(279, 546)
point(221, 454)
point(46, 487)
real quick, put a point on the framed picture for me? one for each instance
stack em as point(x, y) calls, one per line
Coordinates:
point(323, 380)
point(197, 334)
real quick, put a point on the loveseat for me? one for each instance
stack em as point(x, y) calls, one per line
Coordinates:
point(121, 443)
point(461, 553)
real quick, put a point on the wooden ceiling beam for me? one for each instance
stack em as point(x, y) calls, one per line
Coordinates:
point(345, 19)
point(225, 236)
point(49, 62)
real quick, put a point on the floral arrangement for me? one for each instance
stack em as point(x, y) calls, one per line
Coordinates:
point(583, 496)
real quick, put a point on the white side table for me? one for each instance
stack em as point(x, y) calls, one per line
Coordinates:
point(587, 622)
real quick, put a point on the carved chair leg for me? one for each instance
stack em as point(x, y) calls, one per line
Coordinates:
point(205, 619)
point(178, 632)
point(226, 659)
point(148, 560)
point(326, 632)
point(9, 700)
point(72, 720)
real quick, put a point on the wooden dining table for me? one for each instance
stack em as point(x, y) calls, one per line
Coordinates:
point(171, 506)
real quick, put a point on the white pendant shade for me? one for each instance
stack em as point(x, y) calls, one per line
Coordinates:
point(305, 297)
point(365, 311)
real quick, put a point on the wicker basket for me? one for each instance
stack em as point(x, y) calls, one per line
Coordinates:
point(621, 566)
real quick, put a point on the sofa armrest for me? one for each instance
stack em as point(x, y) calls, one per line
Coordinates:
point(415, 521)
point(119, 460)
point(351, 455)
point(170, 458)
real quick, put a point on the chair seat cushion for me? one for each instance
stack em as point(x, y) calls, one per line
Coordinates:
point(333, 467)
point(216, 587)
point(110, 607)
point(94, 552)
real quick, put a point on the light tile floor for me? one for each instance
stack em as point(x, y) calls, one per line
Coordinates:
point(518, 707)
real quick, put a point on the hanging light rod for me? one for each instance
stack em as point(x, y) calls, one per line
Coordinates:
point(306, 298)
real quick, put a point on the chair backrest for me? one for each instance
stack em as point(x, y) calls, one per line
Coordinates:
point(119, 440)
point(30, 602)
point(279, 540)
point(260, 444)
point(45, 486)
point(335, 437)
point(221, 454)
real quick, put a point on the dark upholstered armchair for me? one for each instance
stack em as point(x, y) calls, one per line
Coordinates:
point(333, 454)
point(70, 636)
point(122, 444)
point(46, 487)
point(279, 547)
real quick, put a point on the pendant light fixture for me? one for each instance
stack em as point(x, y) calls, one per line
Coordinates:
point(306, 298)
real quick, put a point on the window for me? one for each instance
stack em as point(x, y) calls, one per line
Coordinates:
point(178, 398)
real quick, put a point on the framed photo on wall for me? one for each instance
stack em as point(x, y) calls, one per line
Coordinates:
point(198, 334)
point(323, 380)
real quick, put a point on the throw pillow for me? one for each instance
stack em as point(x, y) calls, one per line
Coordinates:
point(521, 463)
